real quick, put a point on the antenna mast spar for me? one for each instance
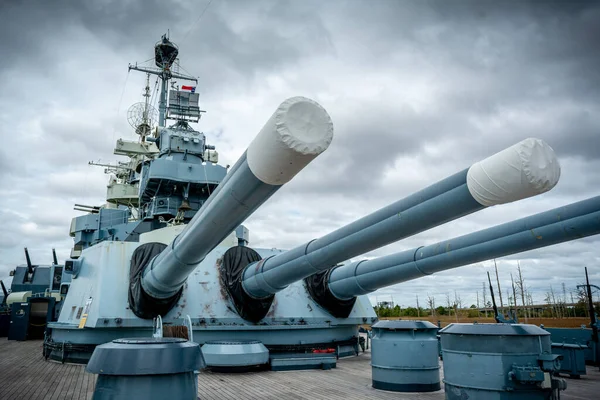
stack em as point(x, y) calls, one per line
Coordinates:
point(165, 54)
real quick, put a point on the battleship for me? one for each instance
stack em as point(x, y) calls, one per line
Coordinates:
point(168, 252)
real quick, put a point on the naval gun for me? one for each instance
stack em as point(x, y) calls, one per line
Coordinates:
point(526, 169)
point(562, 224)
point(252, 281)
point(298, 131)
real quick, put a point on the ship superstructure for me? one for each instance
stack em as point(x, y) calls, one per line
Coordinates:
point(171, 169)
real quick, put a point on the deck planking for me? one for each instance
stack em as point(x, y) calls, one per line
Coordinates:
point(24, 374)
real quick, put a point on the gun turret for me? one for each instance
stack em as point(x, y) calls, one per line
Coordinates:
point(559, 225)
point(298, 131)
point(523, 170)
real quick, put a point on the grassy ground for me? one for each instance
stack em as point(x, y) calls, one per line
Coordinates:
point(547, 322)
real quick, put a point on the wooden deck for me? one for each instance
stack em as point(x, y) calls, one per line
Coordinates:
point(25, 375)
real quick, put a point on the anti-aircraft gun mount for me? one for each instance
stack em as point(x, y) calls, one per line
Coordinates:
point(38, 280)
point(291, 301)
point(36, 296)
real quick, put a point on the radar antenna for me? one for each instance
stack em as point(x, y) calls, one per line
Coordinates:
point(141, 116)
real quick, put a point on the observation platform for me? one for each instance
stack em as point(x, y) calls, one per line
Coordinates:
point(24, 374)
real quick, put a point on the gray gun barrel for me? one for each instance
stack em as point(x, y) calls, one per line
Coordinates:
point(298, 131)
point(4, 292)
point(559, 225)
point(526, 169)
point(29, 265)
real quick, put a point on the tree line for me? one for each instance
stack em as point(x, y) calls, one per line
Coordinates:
point(519, 302)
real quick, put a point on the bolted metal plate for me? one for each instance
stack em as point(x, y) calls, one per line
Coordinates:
point(404, 325)
point(233, 342)
point(142, 341)
point(235, 353)
point(494, 330)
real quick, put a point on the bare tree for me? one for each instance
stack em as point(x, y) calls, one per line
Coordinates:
point(548, 300)
point(551, 299)
point(458, 299)
point(530, 302)
point(499, 290)
point(514, 296)
point(448, 303)
point(485, 299)
point(431, 304)
point(457, 304)
point(583, 297)
point(564, 300)
point(555, 306)
point(418, 308)
point(521, 287)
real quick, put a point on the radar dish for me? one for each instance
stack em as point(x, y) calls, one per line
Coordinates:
point(141, 117)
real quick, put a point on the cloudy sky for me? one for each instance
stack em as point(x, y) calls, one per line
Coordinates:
point(416, 91)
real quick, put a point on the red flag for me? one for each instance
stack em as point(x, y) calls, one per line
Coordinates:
point(191, 88)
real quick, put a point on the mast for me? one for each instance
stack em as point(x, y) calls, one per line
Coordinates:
point(165, 55)
point(593, 321)
point(145, 123)
point(162, 104)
